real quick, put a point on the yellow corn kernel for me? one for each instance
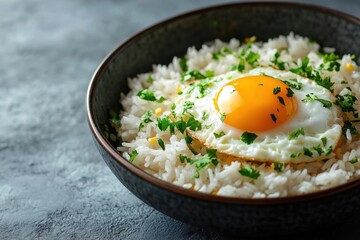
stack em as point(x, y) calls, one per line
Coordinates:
point(158, 111)
point(178, 89)
point(152, 140)
point(349, 67)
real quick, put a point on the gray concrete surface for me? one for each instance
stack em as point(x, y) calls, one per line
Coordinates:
point(53, 182)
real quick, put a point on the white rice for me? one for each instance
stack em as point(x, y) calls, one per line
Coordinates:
point(224, 179)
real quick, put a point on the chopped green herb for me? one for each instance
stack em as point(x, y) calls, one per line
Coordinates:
point(172, 110)
point(202, 162)
point(273, 117)
point(145, 118)
point(296, 134)
point(223, 116)
point(294, 84)
point(150, 79)
point(205, 116)
point(133, 155)
point(161, 143)
point(324, 82)
point(318, 149)
point(249, 172)
point(353, 160)
point(346, 103)
point(311, 97)
point(241, 65)
point(194, 74)
point(275, 61)
point(232, 67)
point(307, 152)
point(114, 120)
point(183, 64)
point(219, 135)
point(252, 58)
point(295, 155)
point(281, 100)
point(209, 73)
point(194, 124)
point(149, 95)
point(304, 69)
point(181, 125)
point(324, 141)
point(278, 166)
point(348, 126)
point(276, 90)
point(330, 62)
point(289, 93)
point(248, 137)
point(328, 150)
point(187, 105)
point(163, 123)
point(188, 139)
point(202, 86)
point(344, 82)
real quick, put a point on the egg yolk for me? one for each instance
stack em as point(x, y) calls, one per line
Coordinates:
point(255, 103)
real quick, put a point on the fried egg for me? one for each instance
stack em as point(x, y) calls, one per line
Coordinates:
point(263, 115)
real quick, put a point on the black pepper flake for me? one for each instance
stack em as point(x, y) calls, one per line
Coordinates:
point(281, 100)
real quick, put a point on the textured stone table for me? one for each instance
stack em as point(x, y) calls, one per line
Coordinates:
point(53, 182)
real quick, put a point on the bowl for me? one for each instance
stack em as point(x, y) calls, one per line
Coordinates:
point(157, 45)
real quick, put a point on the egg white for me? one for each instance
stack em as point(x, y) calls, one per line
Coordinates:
point(273, 145)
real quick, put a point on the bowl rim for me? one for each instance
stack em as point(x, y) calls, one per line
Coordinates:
point(106, 145)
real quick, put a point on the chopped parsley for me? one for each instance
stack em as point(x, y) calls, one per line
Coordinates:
point(193, 124)
point(205, 116)
point(330, 62)
point(277, 63)
point(114, 120)
point(223, 117)
point(324, 140)
point(193, 74)
point(219, 135)
point(188, 139)
point(149, 95)
point(183, 64)
point(209, 73)
point(276, 90)
point(150, 79)
point(296, 134)
point(187, 105)
point(202, 162)
point(278, 166)
point(172, 110)
point(295, 155)
point(307, 152)
point(145, 118)
point(311, 97)
point(353, 160)
point(248, 137)
point(163, 123)
point(252, 58)
point(304, 69)
point(241, 65)
point(318, 149)
point(281, 100)
point(289, 93)
point(181, 125)
point(348, 126)
point(273, 117)
point(161, 143)
point(294, 84)
point(133, 155)
point(328, 150)
point(232, 67)
point(346, 103)
point(324, 82)
point(249, 172)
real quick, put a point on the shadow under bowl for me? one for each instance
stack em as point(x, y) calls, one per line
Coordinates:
point(158, 45)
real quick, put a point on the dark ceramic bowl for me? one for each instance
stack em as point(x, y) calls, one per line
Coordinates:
point(157, 45)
